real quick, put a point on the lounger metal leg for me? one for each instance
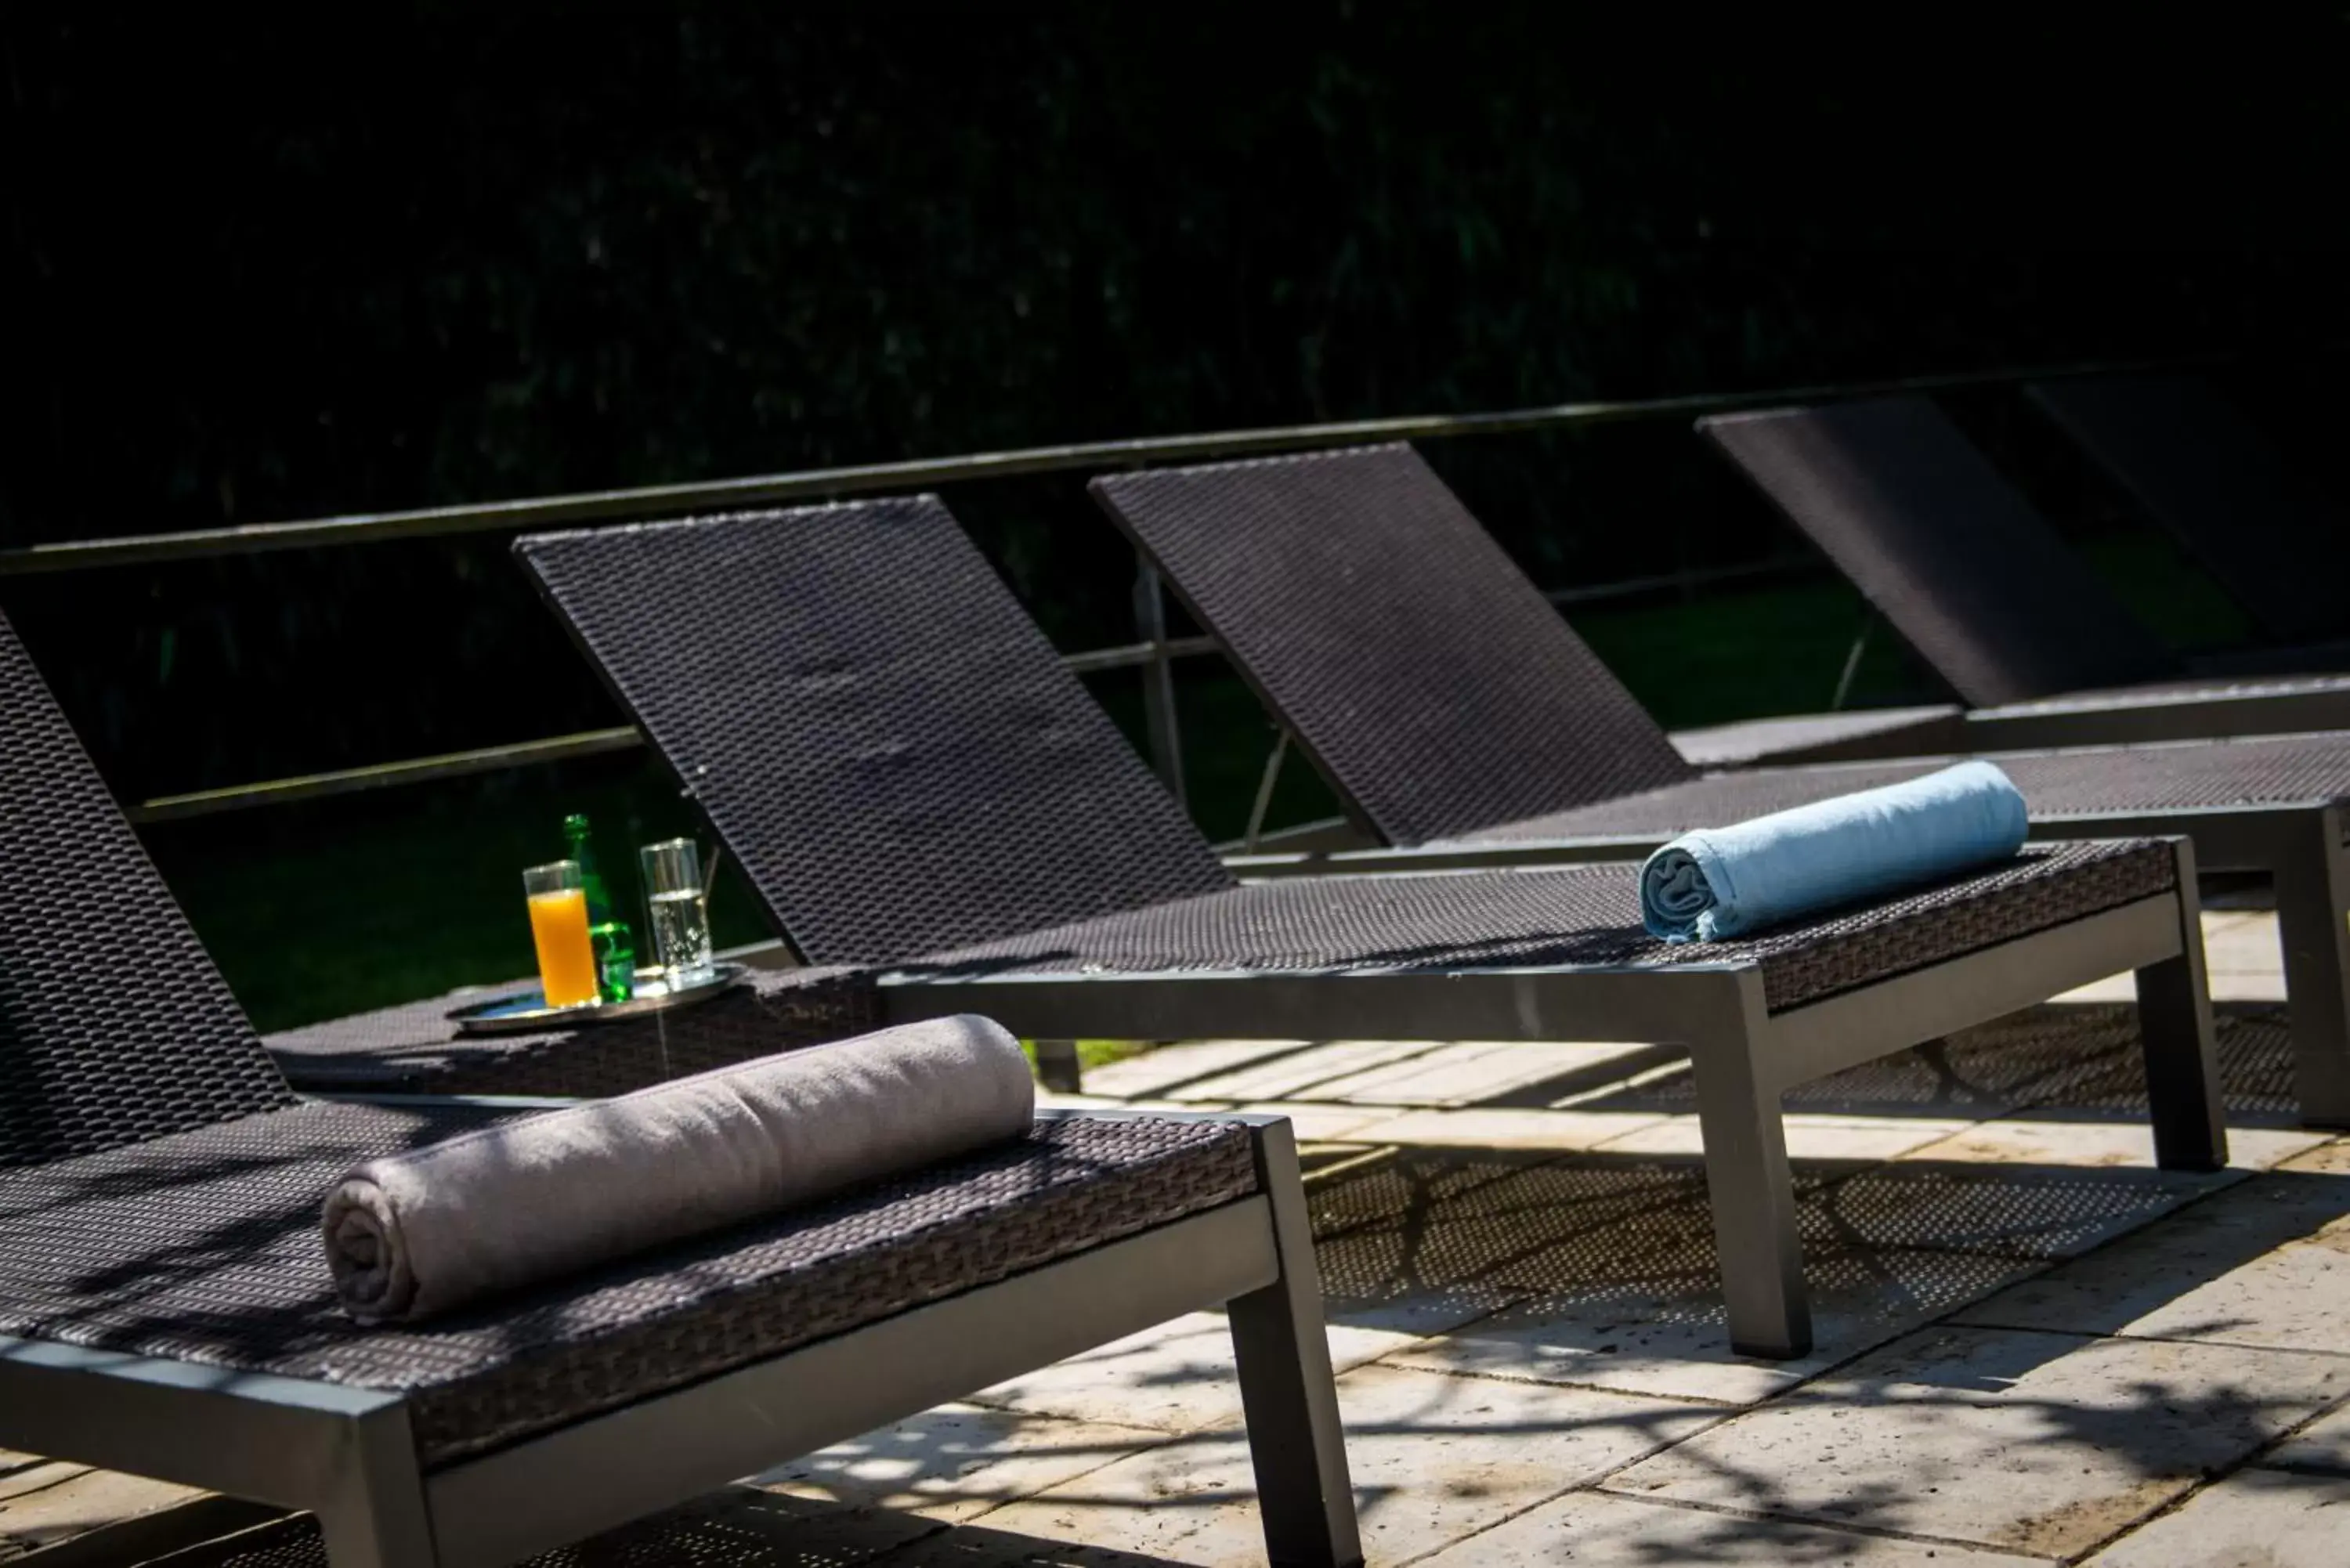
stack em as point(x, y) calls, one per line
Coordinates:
point(1058, 1067)
point(1288, 1391)
point(1753, 1194)
point(377, 1516)
point(2313, 896)
point(2182, 1058)
point(1160, 716)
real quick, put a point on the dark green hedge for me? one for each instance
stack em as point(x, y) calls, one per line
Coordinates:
point(273, 263)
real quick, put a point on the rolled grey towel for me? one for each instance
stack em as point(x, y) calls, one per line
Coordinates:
point(415, 1234)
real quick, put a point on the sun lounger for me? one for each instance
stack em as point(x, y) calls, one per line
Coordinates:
point(1459, 718)
point(914, 784)
point(166, 1307)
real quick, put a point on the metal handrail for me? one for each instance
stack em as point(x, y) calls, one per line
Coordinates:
point(865, 479)
point(553, 748)
point(596, 743)
point(377, 775)
point(1155, 653)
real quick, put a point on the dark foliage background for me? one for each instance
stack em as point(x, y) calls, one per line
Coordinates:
point(262, 262)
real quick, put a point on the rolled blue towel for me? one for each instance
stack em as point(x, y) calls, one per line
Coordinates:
point(1722, 882)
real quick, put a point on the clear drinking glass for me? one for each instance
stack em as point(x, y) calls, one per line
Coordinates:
point(679, 910)
point(558, 927)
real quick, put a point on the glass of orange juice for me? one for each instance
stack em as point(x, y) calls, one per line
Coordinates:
point(558, 925)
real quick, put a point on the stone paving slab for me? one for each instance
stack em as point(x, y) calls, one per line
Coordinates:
point(1312, 1122)
point(735, 1526)
point(1815, 1136)
point(1604, 1272)
point(2028, 1058)
point(2322, 1444)
point(1174, 1378)
point(1600, 1530)
point(1518, 1292)
point(983, 1545)
point(1423, 1257)
point(1664, 1333)
point(1385, 1278)
point(2256, 1075)
point(2039, 1443)
point(1471, 1072)
point(754, 1527)
point(1155, 1072)
point(1320, 1122)
point(1507, 1127)
point(2087, 1143)
point(2266, 1262)
point(744, 1527)
point(1433, 1458)
point(2245, 943)
point(2241, 959)
point(2254, 1519)
point(1396, 1185)
point(1308, 1074)
point(2332, 1158)
point(2045, 1211)
point(957, 1461)
point(79, 1503)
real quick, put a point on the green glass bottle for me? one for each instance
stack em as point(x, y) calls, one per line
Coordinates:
point(615, 955)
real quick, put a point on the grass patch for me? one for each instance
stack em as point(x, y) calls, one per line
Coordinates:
point(1092, 1053)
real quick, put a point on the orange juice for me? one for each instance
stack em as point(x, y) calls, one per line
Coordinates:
point(567, 958)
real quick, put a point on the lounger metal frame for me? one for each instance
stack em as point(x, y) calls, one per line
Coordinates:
point(1745, 1056)
point(2124, 718)
point(2253, 706)
point(2299, 847)
point(1952, 489)
point(347, 1454)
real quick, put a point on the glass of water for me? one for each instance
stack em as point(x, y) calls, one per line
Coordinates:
point(680, 910)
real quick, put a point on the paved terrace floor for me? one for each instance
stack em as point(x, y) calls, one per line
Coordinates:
point(2033, 1347)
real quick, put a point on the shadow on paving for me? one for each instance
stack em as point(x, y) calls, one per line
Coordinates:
point(2061, 1061)
point(2038, 1442)
point(1430, 1220)
point(1547, 1266)
point(737, 1528)
point(1592, 1270)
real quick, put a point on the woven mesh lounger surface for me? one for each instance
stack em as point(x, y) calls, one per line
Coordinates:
point(1430, 681)
point(2123, 779)
point(2199, 468)
point(1949, 553)
point(785, 664)
point(87, 1065)
point(203, 1247)
point(1307, 653)
point(1557, 916)
point(1571, 915)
